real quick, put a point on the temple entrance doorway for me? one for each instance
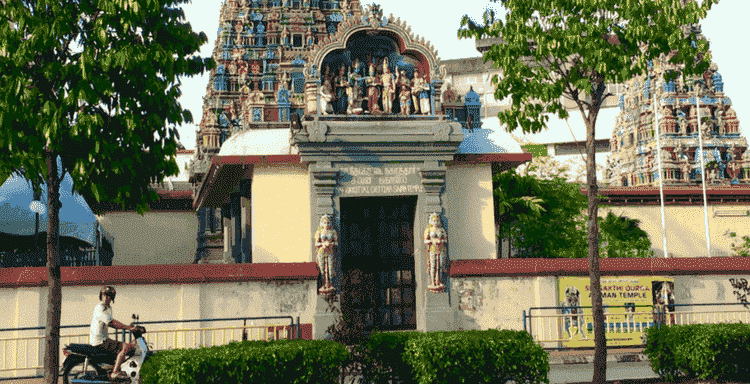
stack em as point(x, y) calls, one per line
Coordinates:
point(377, 264)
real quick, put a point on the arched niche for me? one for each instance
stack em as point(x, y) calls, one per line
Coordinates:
point(367, 47)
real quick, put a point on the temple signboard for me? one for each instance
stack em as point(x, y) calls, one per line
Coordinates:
point(377, 179)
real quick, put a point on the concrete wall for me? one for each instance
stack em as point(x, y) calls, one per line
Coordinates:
point(281, 213)
point(492, 302)
point(154, 238)
point(686, 235)
point(469, 217)
point(154, 303)
point(692, 289)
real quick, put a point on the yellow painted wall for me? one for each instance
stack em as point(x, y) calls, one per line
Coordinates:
point(686, 236)
point(154, 238)
point(281, 213)
point(469, 212)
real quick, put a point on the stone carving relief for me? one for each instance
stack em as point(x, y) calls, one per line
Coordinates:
point(469, 295)
point(317, 131)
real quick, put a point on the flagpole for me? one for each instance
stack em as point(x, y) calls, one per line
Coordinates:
point(703, 170)
point(661, 175)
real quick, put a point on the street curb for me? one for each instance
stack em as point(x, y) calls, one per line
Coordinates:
point(587, 359)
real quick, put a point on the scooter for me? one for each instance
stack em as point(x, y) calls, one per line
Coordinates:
point(85, 356)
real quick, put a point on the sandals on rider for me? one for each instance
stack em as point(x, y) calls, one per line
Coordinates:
point(118, 376)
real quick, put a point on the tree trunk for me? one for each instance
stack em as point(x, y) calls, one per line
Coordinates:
point(600, 342)
point(54, 297)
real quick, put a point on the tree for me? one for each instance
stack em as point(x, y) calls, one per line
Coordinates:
point(554, 226)
point(529, 210)
point(554, 48)
point(90, 88)
point(621, 237)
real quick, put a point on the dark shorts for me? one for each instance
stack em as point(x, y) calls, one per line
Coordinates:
point(110, 346)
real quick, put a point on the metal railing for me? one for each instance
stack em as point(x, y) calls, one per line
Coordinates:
point(24, 351)
point(558, 328)
point(68, 258)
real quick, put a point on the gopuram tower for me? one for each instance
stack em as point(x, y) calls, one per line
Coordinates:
point(258, 82)
point(685, 108)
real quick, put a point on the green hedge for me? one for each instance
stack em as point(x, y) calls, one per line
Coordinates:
point(702, 351)
point(279, 361)
point(490, 356)
point(386, 357)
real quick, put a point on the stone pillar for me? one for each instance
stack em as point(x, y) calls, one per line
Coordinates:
point(324, 180)
point(236, 221)
point(434, 312)
point(246, 222)
point(226, 225)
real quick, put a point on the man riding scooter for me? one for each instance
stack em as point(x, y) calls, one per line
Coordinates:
point(98, 333)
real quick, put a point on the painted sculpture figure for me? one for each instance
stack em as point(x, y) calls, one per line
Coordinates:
point(389, 87)
point(436, 239)
point(326, 96)
point(326, 240)
point(373, 94)
point(417, 87)
point(404, 93)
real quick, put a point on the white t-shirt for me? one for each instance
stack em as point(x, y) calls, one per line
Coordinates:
point(102, 317)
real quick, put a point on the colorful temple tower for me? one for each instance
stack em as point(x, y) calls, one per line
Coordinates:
point(685, 108)
point(258, 82)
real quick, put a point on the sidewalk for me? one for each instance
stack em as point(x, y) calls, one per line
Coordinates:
point(556, 357)
point(629, 355)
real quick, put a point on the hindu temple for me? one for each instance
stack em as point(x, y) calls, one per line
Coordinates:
point(688, 111)
point(326, 138)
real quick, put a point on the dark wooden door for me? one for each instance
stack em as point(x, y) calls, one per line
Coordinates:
point(377, 248)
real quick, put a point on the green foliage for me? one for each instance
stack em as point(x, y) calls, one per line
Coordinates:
point(529, 209)
point(703, 351)
point(551, 48)
point(538, 150)
point(490, 356)
point(743, 249)
point(279, 361)
point(545, 218)
point(109, 107)
point(387, 359)
point(623, 238)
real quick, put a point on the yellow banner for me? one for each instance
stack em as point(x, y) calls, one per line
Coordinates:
point(628, 308)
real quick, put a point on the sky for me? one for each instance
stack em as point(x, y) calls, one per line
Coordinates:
point(438, 21)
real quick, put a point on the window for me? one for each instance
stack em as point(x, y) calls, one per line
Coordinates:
point(298, 82)
point(297, 40)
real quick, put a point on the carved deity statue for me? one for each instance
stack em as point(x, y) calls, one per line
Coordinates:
point(373, 94)
point(389, 88)
point(285, 80)
point(352, 92)
point(326, 96)
point(681, 123)
point(420, 94)
point(720, 124)
point(326, 240)
point(685, 168)
point(285, 36)
point(404, 92)
point(436, 239)
point(666, 156)
point(309, 36)
point(731, 152)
